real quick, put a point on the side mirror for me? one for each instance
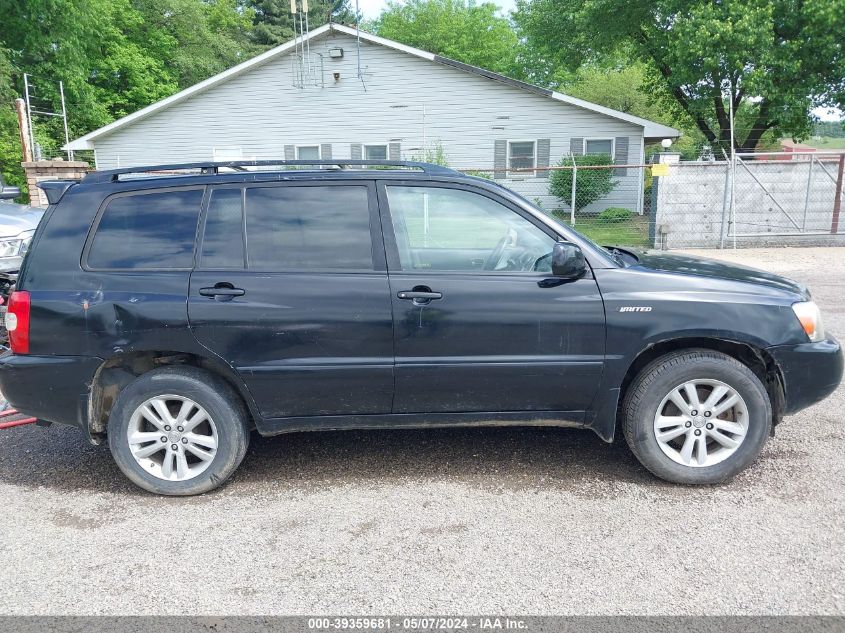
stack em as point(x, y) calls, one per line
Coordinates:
point(568, 261)
point(9, 193)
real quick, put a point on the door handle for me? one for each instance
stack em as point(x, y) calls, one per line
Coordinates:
point(420, 295)
point(222, 292)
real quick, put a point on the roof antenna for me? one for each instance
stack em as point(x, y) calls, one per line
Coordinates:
point(307, 36)
point(358, 43)
point(295, 41)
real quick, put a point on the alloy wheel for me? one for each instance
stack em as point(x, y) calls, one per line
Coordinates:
point(701, 423)
point(172, 437)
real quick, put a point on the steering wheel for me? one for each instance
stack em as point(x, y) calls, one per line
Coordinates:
point(495, 257)
point(541, 263)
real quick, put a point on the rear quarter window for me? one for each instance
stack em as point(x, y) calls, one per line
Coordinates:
point(147, 231)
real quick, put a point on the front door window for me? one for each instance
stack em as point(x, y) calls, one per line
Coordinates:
point(442, 229)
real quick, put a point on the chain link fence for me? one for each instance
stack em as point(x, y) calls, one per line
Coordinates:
point(763, 199)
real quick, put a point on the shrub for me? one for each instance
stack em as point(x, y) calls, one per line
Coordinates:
point(435, 155)
point(613, 215)
point(590, 184)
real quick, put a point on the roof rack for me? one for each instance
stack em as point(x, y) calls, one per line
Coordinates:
point(213, 168)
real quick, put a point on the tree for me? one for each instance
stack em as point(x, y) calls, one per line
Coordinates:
point(459, 29)
point(110, 60)
point(625, 87)
point(273, 23)
point(774, 59)
point(590, 184)
point(835, 129)
point(195, 39)
point(10, 146)
point(622, 88)
point(114, 57)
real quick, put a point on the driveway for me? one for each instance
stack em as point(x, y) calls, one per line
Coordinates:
point(504, 520)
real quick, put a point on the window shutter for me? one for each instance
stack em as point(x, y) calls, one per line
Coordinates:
point(500, 159)
point(326, 151)
point(544, 146)
point(576, 146)
point(355, 151)
point(394, 151)
point(620, 155)
point(290, 152)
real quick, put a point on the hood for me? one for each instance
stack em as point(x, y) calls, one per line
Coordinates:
point(17, 218)
point(703, 267)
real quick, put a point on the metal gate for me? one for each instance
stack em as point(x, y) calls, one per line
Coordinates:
point(784, 194)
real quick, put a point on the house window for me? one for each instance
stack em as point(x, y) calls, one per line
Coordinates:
point(307, 152)
point(375, 152)
point(522, 155)
point(598, 146)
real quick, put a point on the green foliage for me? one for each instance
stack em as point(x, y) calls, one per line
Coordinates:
point(435, 155)
point(614, 215)
point(114, 56)
point(775, 59)
point(590, 184)
point(10, 146)
point(622, 88)
point(195, 39)
point(459, 29)
point(273, 23)
point(832, 129)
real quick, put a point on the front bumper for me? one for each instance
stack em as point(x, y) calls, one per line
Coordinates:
point(53, 388)
point(811, 372)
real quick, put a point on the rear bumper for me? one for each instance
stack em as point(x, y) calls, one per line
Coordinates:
point(811, 371)
point(53, 388)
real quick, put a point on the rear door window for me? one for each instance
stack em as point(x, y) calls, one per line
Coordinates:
point(309, 228)
point(147, 231)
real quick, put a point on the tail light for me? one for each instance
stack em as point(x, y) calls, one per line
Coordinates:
point(17, 322)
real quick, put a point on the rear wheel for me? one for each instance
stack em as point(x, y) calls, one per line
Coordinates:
point(696, 417)
point(178, 431)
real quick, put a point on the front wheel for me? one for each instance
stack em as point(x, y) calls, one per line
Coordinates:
point(696, 417)
point(178, 431)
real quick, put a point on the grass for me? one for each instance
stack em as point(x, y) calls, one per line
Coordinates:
point(826, 142)
point(633, 232)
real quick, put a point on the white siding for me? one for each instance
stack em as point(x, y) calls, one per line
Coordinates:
point(402, 98)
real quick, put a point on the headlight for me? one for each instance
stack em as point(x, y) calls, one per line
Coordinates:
point(810, 319)
point(15, 246)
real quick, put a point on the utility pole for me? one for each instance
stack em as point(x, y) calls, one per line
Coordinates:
point(23, 126)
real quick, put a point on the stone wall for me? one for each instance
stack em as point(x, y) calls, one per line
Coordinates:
point(39, 171)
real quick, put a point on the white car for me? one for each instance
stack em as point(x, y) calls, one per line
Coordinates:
point(17, 226)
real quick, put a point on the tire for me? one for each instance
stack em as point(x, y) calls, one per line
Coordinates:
point(748, 422)
point(200, 458)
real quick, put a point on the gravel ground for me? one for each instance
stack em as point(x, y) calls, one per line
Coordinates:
point(532, 521)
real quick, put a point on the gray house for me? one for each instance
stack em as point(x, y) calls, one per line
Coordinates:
point(338, 93)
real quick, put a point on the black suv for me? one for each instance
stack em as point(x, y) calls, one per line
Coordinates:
point(173, 309)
